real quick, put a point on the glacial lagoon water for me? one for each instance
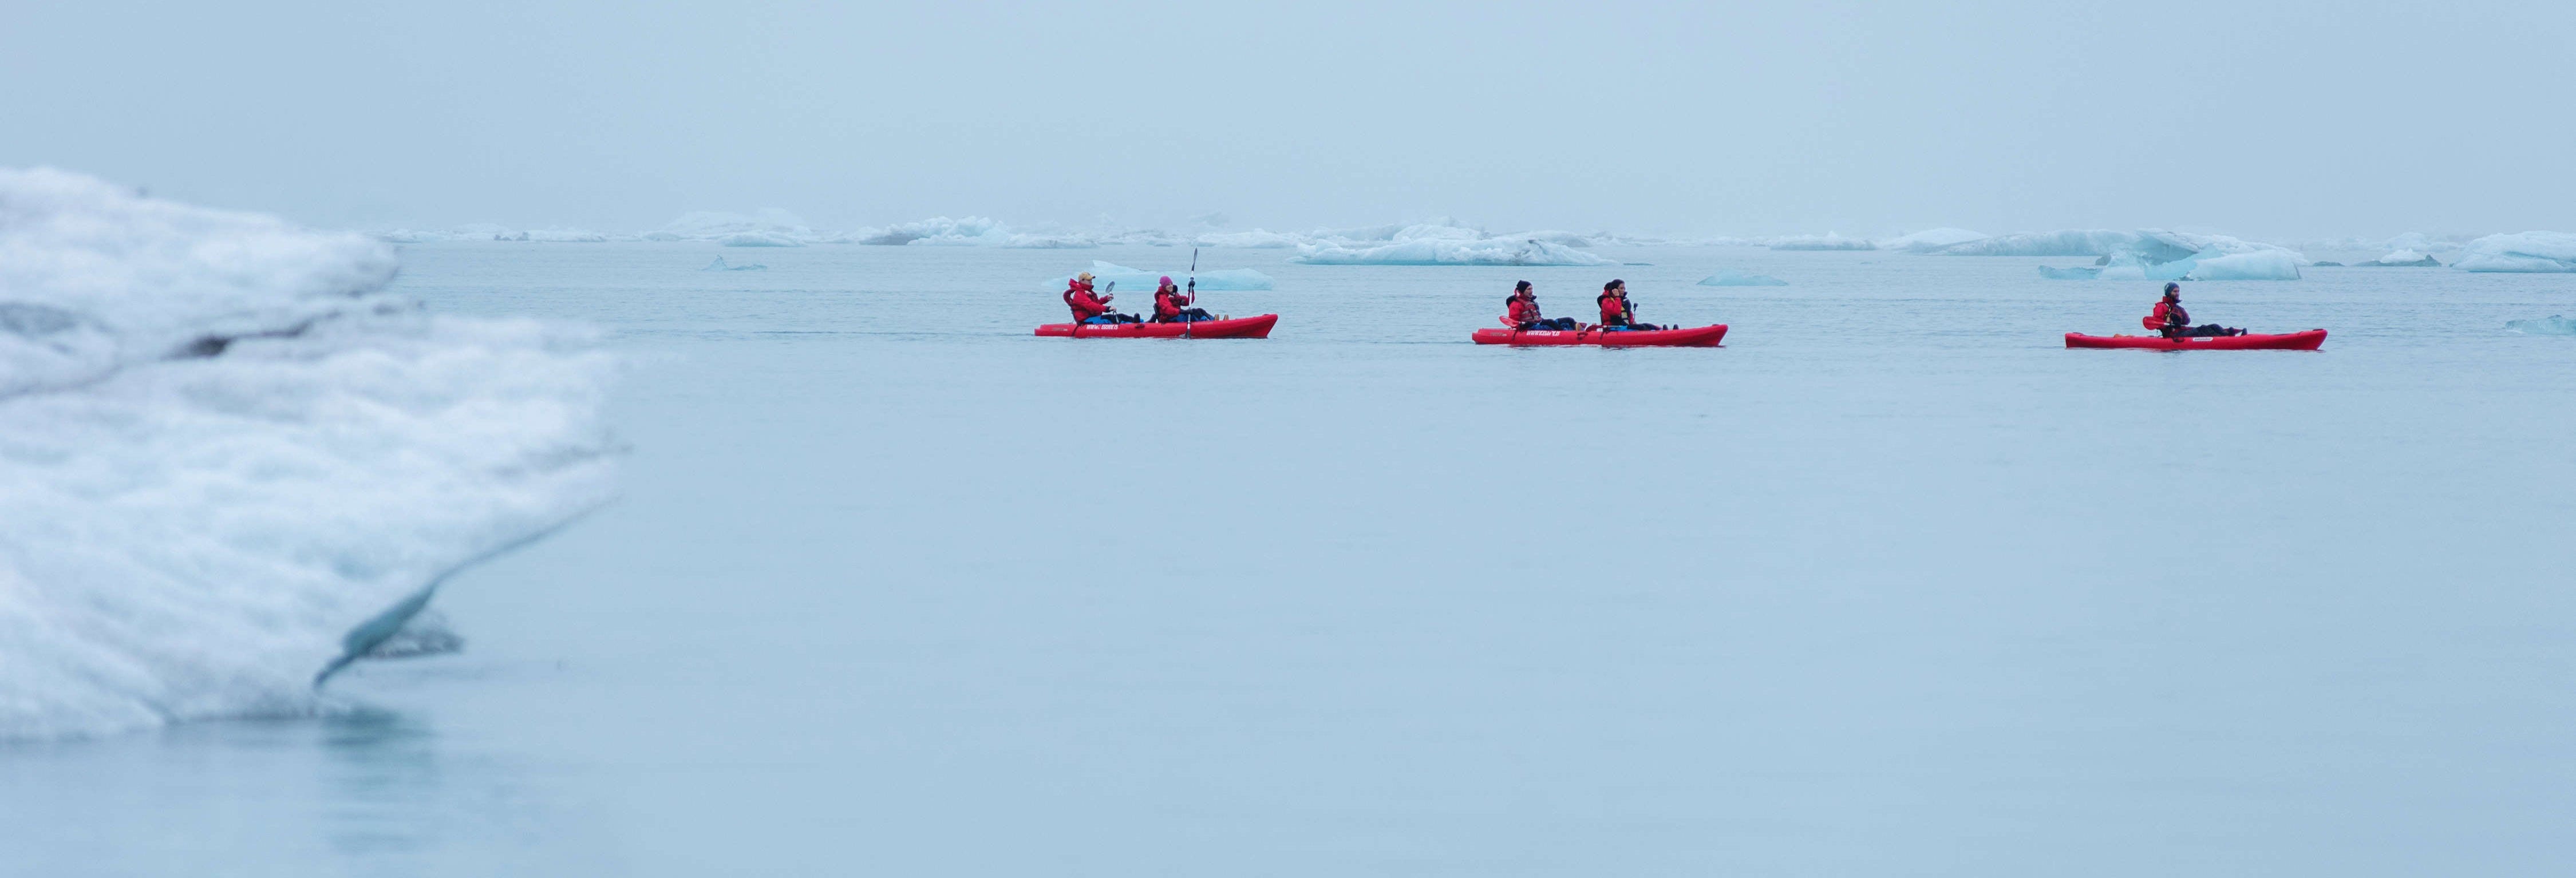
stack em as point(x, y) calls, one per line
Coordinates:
point(1890, 584)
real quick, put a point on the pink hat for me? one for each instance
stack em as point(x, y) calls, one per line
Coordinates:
point(1167, 280)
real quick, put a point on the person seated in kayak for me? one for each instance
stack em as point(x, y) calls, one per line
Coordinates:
point(2172, 321)
point(1171, 305)
point(1089, 307)
point(1616, 311)
point(1521, 312)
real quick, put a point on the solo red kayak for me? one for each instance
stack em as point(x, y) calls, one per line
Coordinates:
point(2287, 341)
point(1239, 327)
point(1693, 337)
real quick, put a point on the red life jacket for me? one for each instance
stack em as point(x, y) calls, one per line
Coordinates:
point(1168, 303)
point(1520, 311)
point(1614, 309)
point(1085, 305)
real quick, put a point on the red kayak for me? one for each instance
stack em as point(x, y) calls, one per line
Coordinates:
point(1694, 337)
point(2287, 341)
point(1239, 327)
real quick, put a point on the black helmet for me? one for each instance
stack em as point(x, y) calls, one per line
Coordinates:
point(2171, 287)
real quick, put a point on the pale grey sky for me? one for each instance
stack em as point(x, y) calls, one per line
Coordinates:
point(2267, 119)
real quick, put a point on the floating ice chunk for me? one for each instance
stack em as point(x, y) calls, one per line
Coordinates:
point(2520, 252)
point(1827, 241)
point(2550, 325)
point(1450, 251)
point(2403, 259)
point(1929, 240)
point(721, 265)
point(224, 448)
point(1737, 278)
point(2072, 242)
point(1139, 279)
point(2085, 273)
point(759, 239)
point(2256, 265)
point(562, 236)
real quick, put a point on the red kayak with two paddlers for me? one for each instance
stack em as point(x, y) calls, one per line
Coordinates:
point(1690, 337)
point(1234, 327)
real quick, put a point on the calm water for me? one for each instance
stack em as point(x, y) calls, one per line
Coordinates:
point(1891, 584)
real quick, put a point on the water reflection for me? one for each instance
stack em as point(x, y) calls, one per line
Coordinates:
point(380, 776)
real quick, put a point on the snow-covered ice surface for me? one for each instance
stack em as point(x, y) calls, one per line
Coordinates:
point(223, 447)
point(2541, 252)
point(1892, 583)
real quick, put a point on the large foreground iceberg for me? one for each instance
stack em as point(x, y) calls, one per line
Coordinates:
point(230, 458)
point(1104, 273)
point(2521, 251)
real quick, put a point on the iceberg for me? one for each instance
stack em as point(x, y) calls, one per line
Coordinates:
point(721, 265)
point(1929, 240)
point(2149, 254)
point(1735, 278)
point(758, 239)
point(1827, 241)
point(229, 452)
point(2550, 325)
point(2072, 242)
point(1450, 251)
point(2520, 252)
point(2403, 259)
point(2257, 265)
point(1139, 279)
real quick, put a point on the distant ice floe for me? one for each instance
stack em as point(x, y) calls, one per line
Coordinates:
point(2550, 325)
point(1929, 240)
point(758, 239)
point(2520, 252)
point(1442, 242)
point(721, 265)
point(1735, 278)
point(2402, 259)
point(1138, 279)
point(227, 452)
point(2069, 242)
point(1827, 241)
point(2148, 254)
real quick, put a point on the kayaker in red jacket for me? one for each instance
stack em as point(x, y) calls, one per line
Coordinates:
point(1171, 305)
point(1089, 307)
point(1521, 311)
point(2172, 321)
point(1616, 310)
